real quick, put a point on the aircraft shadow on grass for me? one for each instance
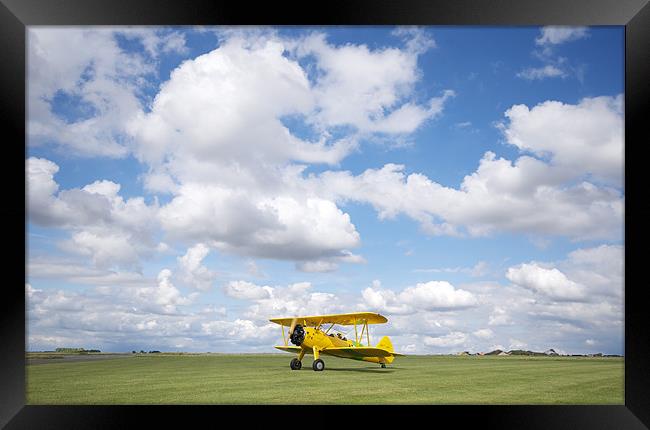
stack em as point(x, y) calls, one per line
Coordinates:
point(360, 369)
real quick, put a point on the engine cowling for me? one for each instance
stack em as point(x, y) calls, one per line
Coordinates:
point(297, 335)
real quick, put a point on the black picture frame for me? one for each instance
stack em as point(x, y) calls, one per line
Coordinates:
point(15, 15)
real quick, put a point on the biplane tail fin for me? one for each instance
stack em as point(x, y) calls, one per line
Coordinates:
point(387, 345)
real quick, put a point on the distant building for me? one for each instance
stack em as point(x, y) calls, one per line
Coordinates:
point(503, 353)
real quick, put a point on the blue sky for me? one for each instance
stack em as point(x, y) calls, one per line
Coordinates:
point(186, 184)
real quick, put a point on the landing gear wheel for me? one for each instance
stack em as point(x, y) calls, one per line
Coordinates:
point(318, 365)
point(295, 364)
point(383, 366)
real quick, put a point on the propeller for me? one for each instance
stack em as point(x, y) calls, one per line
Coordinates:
point(296, 332)
point(293, 326)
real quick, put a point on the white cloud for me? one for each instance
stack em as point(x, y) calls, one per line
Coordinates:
point(218, 113)
point(317, 266)
point(591, 275)
point(550, 282)
point(240, 329)
point(555, 66)
point(484, 333)
point(529, 196)
point(156, 40)
point(417, 39)
point(281, 227)
point(555, 35)
point(573, 299)
point(253, 269)
point(192, 272)
point(98, 78)
point(104, 226)
point(450, 340)
point(384, 301)
point(116, 318)
point(586, 138)
point(437, 295)
point(106, 249)
point(76, 272)
point(547, 71)
point(218, 106)
point(291, 300)
point(499, 316)
point(247, 290)
point(429, 296)
point(517, 344)
point(369, 89)
point(166, 295)
point(601, 268)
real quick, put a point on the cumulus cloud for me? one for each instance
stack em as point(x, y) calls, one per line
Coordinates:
point(529, 196)
point(155, 41)
point(452, 339)
point(281, 227)
point(428, 296)
point(155, 315)
point(217, 112)
point(484, 333)
point(601, 268)
point(555, 35)
point(588, 274)
point(517, 344)
point(98, 78)
point(192, 272)
point(499, 316)
point(74, 271)
point(548, 71)
point(104, 226)
point(586, 138)
point(554, 66)
point(219, 105)
point(550, 282)
point(247, 290)
point(369, 89)
point(296, 299)
point(584, 298)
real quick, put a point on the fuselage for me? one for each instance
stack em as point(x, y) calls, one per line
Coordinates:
point(321, 340)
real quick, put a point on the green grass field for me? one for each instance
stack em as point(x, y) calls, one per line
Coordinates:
point(267, 379)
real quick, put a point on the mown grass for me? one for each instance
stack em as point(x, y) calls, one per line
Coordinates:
point(267, 379)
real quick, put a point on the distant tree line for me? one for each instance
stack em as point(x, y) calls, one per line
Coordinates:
point(145, 352)
point(76, 350)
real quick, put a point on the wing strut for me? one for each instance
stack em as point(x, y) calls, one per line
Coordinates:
point(283, 337)
point(368, 333)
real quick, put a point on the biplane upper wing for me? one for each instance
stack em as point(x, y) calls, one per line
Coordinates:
point(358, 352)
point(341, 319)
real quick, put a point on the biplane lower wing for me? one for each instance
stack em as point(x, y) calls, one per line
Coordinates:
point(358, 352)
point(293, 349)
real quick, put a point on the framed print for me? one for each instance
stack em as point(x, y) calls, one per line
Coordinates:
point(415, 208)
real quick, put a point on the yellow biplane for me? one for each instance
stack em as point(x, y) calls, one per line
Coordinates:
point(310, 337)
